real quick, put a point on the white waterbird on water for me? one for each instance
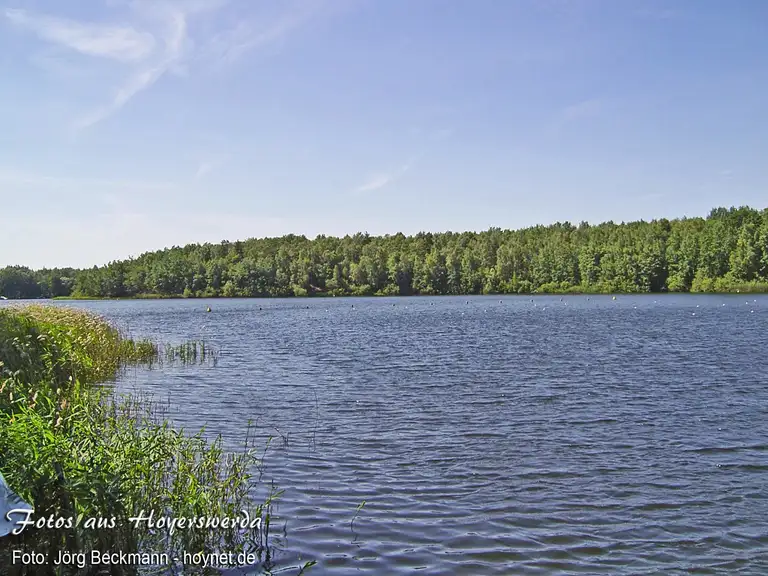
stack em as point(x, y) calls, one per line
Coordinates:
point(9, 501)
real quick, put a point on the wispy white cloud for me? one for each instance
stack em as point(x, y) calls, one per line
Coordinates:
point(229, 45)
point(222, 46)
point(203, 169)
point(378, 181)
point(207, 166)
point(174, 37)
point(123, 43)
point(157, 41)
point(264, 30)
point(382, 179)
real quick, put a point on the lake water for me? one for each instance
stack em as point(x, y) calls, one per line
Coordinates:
point(491, 435)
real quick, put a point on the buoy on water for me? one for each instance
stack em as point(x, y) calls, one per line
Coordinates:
point(208, 309)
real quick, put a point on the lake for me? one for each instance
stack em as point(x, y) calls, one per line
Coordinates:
point(490, 435)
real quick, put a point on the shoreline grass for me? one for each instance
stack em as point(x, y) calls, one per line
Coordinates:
point(715, 287)
point(73, 451)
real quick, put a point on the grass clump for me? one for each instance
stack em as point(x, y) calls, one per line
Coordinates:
point(59, 346)
point(75, 452)
point(193, 352)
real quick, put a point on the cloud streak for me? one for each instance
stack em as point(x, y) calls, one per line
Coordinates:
point(175, 39)
point(229, 45)
point(122, 43)
point(207, 166)
point(379, 181)
point(162, 45)
point(232, 44)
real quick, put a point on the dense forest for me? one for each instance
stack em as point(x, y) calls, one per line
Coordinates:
point(727, 251)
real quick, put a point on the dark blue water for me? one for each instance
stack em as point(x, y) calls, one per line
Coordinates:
point(544, 436)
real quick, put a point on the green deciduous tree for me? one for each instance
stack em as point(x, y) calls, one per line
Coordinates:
point(728, 250)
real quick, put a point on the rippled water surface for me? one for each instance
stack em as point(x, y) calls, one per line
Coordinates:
point(488, 436)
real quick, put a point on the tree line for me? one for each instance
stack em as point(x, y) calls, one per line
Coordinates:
point(726, 251)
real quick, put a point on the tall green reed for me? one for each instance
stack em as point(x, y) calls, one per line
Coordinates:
point(73, 450)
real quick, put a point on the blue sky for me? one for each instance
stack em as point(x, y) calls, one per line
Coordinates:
point(132, 126)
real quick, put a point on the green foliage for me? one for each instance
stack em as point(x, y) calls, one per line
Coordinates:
point(689, 254)
point(72, 450)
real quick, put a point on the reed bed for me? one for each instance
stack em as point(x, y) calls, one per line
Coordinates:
point(72, 450)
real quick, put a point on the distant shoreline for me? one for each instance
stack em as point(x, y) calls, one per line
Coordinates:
point(724, 253)
point(325, 296)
